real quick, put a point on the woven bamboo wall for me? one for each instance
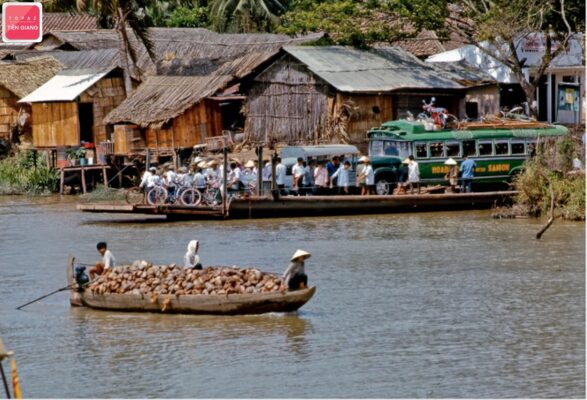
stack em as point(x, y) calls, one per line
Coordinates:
point(105, 95)
point(55, 124)
point(8, 112)
point(190, 128)
point(288, 105)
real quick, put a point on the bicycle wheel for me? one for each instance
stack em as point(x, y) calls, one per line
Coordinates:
point(190, 197)
point(157, 195)
point(135, 196)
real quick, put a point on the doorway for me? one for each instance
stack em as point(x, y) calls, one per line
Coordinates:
point(85, 112)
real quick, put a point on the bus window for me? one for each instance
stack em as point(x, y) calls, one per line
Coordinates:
point(436, 149)
point(531, 149)
point(421, 151)
point(376, 148)
point(485, 148)
point(518, 148)
point(501, 148)
point(469, 148)
point(453, 149)
point(390, 149)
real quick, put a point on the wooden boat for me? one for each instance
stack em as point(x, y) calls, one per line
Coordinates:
point(231, 304)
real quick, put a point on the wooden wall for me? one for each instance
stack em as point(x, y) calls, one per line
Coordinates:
point(486, 97)
point(363, 112)
point(55, 124)
point(8, 112)
point(105, 95)
point(190, 128)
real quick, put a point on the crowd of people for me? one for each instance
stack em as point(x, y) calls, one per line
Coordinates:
point(308, 177)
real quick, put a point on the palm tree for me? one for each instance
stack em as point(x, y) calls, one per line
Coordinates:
point(120, 15)
point(246, 15)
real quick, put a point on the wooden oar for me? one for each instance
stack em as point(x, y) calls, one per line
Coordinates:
point(47, 295)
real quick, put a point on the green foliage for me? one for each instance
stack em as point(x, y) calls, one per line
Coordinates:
point(551, 166)
point(187, 17)
point(360, 23)
point(246, 15)
point(19, 174)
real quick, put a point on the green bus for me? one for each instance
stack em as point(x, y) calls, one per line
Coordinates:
point(498, 152)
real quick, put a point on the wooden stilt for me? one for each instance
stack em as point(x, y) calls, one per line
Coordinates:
point(62, 181)
point(82, 171)
point(105, 176)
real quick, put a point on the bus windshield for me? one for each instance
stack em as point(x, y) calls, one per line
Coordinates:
point(390, 148)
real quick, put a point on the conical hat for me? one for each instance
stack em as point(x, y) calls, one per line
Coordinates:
point(300, 253)
point(450, 161)
point(250, 164)
point(364, 159)
point(406, 161)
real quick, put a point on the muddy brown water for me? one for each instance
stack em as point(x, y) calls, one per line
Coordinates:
point(451, 304)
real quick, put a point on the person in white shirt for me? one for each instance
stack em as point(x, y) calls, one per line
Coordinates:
point(171, 180)
point(234, 177)
point(368, 175)
point(199, 180)
point(267, 177)
point(295, 277)
point(191, 259)
point(343, 179)
point(297, 172)
point(146, 177)
point(280, 171)
point(320, 178)
point(413, 174)
point(106, 263)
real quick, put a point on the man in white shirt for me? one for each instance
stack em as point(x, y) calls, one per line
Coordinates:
point(146, 177)
point(297, 172)
point(413, 174)
point(342, 177)
point(106, 263)
point(280, 172)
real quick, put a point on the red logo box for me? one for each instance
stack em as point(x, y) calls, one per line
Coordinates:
point(22, 22)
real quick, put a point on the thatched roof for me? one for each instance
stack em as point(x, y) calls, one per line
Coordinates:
point(193, 64)
point(179, 51)
point(66, 22)
point(23, 77)
point(161, 98)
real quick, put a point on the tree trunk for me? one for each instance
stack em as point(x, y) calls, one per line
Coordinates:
point(122, 51)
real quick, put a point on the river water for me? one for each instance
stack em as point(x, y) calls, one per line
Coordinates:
point(451, 304)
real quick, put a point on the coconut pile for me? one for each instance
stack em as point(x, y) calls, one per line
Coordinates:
point(147, 279)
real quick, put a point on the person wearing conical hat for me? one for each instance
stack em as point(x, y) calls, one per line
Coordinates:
point(295, 277)
point(191, 259)
point(452, 175)
point(367, 176)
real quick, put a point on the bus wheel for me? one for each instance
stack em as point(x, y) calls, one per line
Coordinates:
point(382, 187)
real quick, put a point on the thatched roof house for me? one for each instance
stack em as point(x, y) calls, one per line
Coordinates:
point(187, 100)
point(334, 94)
point(18, 79)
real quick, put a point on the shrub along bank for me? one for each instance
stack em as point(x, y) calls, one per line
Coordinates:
point(25, 173)
point(552, 169)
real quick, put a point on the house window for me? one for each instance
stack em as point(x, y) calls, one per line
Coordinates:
point(568, 79)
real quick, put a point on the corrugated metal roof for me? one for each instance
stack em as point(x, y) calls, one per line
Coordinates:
point(65, 86)
point(378, 70)
point(464, 73)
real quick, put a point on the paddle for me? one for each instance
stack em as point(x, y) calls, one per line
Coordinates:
point(47, 295)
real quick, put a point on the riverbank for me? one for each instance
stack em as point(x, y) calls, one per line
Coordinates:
point(26, 173)
point(552, 183)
